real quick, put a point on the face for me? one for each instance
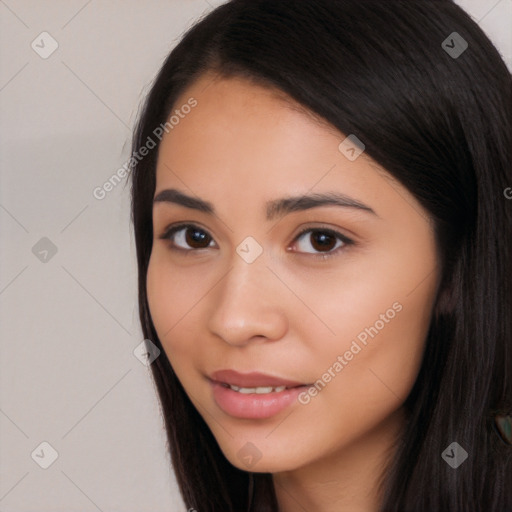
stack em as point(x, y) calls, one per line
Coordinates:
point(281, 260)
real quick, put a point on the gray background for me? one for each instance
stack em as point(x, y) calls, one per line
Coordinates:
point(68, 321)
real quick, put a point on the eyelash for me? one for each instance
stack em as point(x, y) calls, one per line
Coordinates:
point(169, 232)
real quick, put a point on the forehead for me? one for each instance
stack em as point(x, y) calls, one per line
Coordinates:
point(243, 145)
point(240, 133)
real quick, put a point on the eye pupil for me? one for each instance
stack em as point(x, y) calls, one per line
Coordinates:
point(198, 239)
point(322, 241)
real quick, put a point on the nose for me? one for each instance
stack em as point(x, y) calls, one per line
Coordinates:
point(248, 305)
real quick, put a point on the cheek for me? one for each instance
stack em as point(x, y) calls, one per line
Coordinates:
point(359, 392)
point(175, 299)
point(373, 358)
point(379, 307)
point(380, 318)
point(383, 304)
point(169, 299)
point(159, 288)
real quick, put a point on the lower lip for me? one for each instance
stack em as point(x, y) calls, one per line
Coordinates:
point(253, 406)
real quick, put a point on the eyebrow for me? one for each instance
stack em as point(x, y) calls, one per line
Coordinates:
point(274, 209)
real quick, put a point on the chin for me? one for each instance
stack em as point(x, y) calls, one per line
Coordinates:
point(273, 458)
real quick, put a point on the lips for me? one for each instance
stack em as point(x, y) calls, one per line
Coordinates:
point(252, 380)
point(255, 396)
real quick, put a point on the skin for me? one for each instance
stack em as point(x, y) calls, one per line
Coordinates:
point(291, 313)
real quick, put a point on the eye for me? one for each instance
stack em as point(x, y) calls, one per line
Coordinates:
point(187, 237)
point(321, 242)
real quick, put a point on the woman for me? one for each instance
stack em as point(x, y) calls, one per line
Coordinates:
point(323, 243)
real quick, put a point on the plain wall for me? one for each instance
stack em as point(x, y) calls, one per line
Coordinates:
point(68, 321)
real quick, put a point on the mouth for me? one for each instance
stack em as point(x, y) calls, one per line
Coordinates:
point(253, 395)
point(260, 390)
point(253, 381)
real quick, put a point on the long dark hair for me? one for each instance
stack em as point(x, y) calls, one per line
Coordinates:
point(439, 122)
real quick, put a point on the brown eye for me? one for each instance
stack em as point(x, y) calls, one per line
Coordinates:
point(321, 242)
point(197, 238)
point(188, 237)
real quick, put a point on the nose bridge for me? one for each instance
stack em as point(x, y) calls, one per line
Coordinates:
point(246, 304)
point(245, 286)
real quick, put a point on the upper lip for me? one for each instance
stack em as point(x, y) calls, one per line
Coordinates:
point(251, 380)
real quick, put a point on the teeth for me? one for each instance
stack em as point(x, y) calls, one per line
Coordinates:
point(261, 391)
point(258, 391)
